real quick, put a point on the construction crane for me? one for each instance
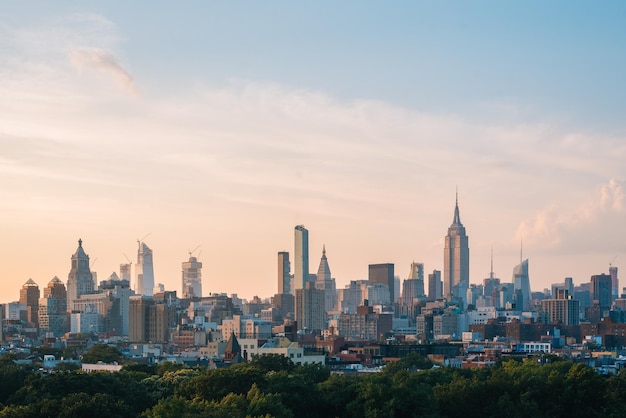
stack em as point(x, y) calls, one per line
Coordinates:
point(611, 262)
point(192, 251)
point(127, 259)
point(145, 236)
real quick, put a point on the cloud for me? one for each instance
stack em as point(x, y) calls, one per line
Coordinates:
point(593, 225)
point(103, 62)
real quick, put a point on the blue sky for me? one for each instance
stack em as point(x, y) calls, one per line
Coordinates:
point(225, 124)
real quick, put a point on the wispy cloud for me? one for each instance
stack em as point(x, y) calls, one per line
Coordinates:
point(103, 62)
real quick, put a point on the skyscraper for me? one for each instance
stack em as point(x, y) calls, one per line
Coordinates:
point(144, 271)
point(456, 258)
point(79, 279)
point(29, 296)
point(192, 278)
point(614, 281)
point(284, 271)
point(383, 274)
point(601, 285)
point(435, 285)
point(301, 272)
point(325, 282)
point(521, 281)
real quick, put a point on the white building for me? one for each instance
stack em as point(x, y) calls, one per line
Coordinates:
point(144, 284)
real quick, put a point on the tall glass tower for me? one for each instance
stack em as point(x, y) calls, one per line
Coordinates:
point(144, 270)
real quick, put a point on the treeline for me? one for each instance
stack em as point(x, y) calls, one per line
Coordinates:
point(271, 386)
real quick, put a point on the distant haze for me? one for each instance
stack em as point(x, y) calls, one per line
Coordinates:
point(224, 125)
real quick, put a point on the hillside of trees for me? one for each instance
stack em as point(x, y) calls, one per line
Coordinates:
point(271, 386)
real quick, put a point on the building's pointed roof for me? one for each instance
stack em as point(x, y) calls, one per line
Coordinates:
point(30, 283)
point(323, 272)
point(55, 280)
point(143, 248)
point(232, 346)
point(80, 252)
point(413, 274)
point(457, 218)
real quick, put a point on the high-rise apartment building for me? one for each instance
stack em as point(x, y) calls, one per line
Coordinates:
point(79, 280)
point(310, 307)
point(192, 278)
point(150, 321)
point(383, 274)
point(301, 262)
point(144, 270)
point(29, 296)
point(456, 259)
point(561, 309)
point(284, 273)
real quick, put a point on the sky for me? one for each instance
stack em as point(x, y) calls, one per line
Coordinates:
point(214, 128)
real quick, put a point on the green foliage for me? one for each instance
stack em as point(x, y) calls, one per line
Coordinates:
point(271, 387)
point(103, 353)
point(272, 362)
point(12, 377)
point(148, 369)
point(168, 366)
point(412, 362)
point(66, 366)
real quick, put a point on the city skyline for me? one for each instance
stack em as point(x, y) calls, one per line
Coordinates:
point(224, 125)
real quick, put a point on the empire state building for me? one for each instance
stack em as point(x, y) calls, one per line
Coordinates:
point(456, 259)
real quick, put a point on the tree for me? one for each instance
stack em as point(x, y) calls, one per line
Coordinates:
point(103, 353)
point(272, 362)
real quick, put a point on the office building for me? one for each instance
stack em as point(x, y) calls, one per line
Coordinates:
point(79, 280)
point(144, 284)
point(601, 290)
point(29, 296)
point(284, 273)
point(456, 259)
point(521, 282)
point(383, 274)
point(614, 281)
point(413, 286)
point(435, 285)
point(326, 283)
point(192, 278)
point(53, 309)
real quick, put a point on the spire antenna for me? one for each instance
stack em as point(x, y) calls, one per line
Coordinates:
point(457, 217)
point(491, 273)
